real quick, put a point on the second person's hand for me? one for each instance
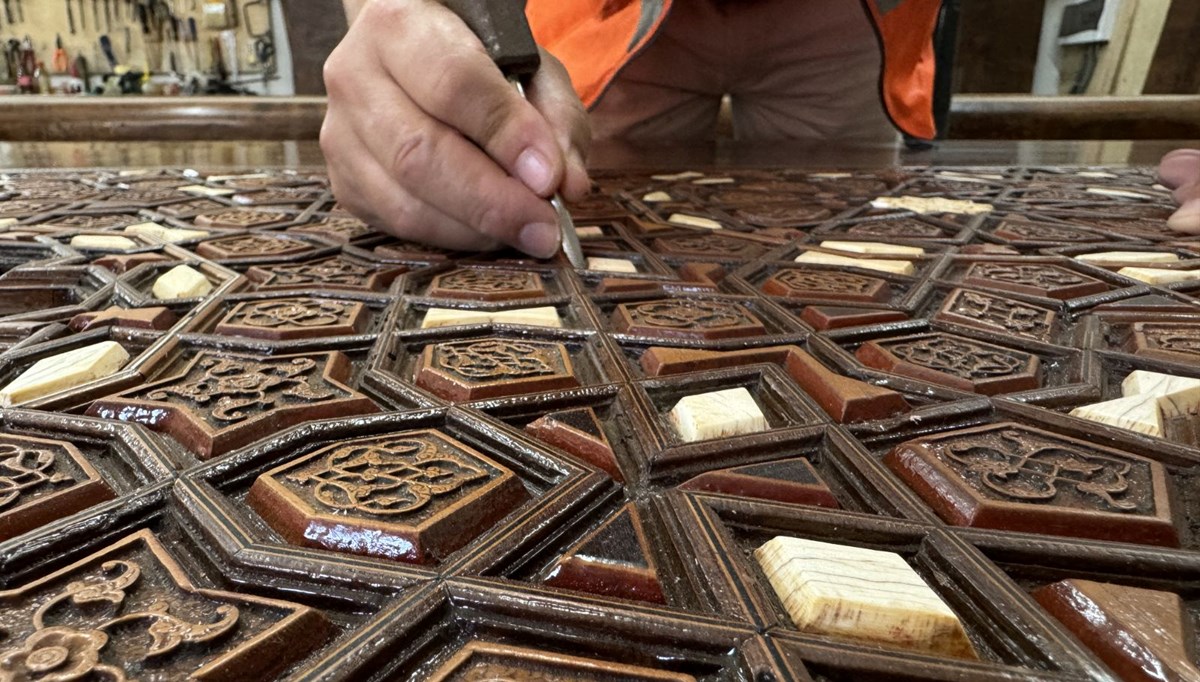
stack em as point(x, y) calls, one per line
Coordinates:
point(425, 138)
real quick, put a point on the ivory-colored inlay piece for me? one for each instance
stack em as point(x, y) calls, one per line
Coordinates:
point(1110, 257)
point(181, 281)
point(611, 265)
point(1119, 193)
point(719, 414)
point(588, 232)
point(1160, 275)
point(1148, 399)
point(103, 241)
point(873, 248)
point(694, 221)
point(204, 191)
point(656, 197)
point(545, 316)
point(899, 267)
point(166, 234)
point(685, 175)
point(65, 370)
point(864, 594)
point(932, 205)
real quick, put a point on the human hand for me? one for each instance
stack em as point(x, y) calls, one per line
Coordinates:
point(425, 138)
point(1180, 171)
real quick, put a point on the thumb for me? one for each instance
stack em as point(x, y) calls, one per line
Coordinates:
point(552, 94)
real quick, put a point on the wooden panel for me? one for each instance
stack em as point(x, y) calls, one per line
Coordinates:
point(997, 45)
point(1174, 69)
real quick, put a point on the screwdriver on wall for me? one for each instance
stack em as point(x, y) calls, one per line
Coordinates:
point(70, 18)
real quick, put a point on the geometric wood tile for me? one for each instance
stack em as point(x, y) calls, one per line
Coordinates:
point(222, 401)
point(830, 284)
point(1177, 342)
point(130, 612)
point(1013, 477)
point(494, 367)
point(415, 496)
point(954, 361)
point(1035, 279)
point(613, 560)
point(488, 662)
point(483, 284)
point(580, 433)
point(687, 319)
point(295, 318)
point(337, 272)
point(791, 481)
point(43, 480)
point(997, 314)
point(1141, 634)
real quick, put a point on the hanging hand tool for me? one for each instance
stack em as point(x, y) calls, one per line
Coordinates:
point(106, 47)
point(8, 13)
point(70, 18)
point(21, 11)
point(82, 16)
point(96, 13)
point(60, 60)
point(502, 28)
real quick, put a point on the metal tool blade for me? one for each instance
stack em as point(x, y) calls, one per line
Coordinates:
point(566, 226)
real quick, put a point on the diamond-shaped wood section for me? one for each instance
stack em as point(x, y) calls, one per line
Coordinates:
point(487, 284)
point(494, 367)
point(684, 318)
point(1034, 279)
point(221, 401)
point(415, 496)
point(955, 361)
point(490, 662)
point(302, 317)
point(1013, 477)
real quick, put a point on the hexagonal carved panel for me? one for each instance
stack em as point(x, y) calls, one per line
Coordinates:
point(130, 612)
point(494, 367)
point(294, 318)
point(42, 480)
point(833, 284)
point(489, 662)
point(955, 361)
point(687, 319)
point(1013, 477)
point(337, 272)
point(252, 246)
point(997, 314)
point(481, 284)
point(1037, 279)
point(223, 401)
point(415, 496)
point(1169, 341)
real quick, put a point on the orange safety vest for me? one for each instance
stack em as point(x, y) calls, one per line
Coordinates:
point(596, 38)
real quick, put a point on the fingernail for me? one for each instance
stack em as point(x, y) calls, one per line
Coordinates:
point(534, 170)
point(539, 239)
point(1187, 218)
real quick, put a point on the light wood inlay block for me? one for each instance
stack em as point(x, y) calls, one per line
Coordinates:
point(898, 267)
point(1176, 395)
point(932, 205)
point(1138, 413)
point(1097, 174)
point(546, 316)
point(656, 197)
point(1110, 257)
point(1119, 193)
point(830, 176)
point(714, 181)
point(611, 265)
point(103, 241)
point(204, 191)
point(685, 175)
point(8, 222)
point(719, 414)
point(450, 317)
point(588, 232)
point(1160, 275)
point(694, 221)
point(65, 370)
point(244, 176)
point(181, 281)
point(873, 248)
point(862, 594)
point(166, 234)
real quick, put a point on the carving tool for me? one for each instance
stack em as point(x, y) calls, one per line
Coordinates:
point(82, 17)
point(60, 61)
point(108, 15)
point(8, 13)
point(21, 11)
point(70, 18)
point(502, 28)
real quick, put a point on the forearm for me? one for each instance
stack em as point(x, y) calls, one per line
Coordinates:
point(353, 7)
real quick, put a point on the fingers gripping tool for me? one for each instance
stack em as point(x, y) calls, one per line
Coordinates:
point(502, 28)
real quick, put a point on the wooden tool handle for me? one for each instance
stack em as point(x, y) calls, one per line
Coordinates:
point(502, 28)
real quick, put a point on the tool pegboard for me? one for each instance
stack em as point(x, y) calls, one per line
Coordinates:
point(187, 38)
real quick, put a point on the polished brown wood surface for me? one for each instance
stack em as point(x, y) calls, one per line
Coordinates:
point(991, 117)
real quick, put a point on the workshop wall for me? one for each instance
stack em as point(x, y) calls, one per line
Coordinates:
point(44, 20)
